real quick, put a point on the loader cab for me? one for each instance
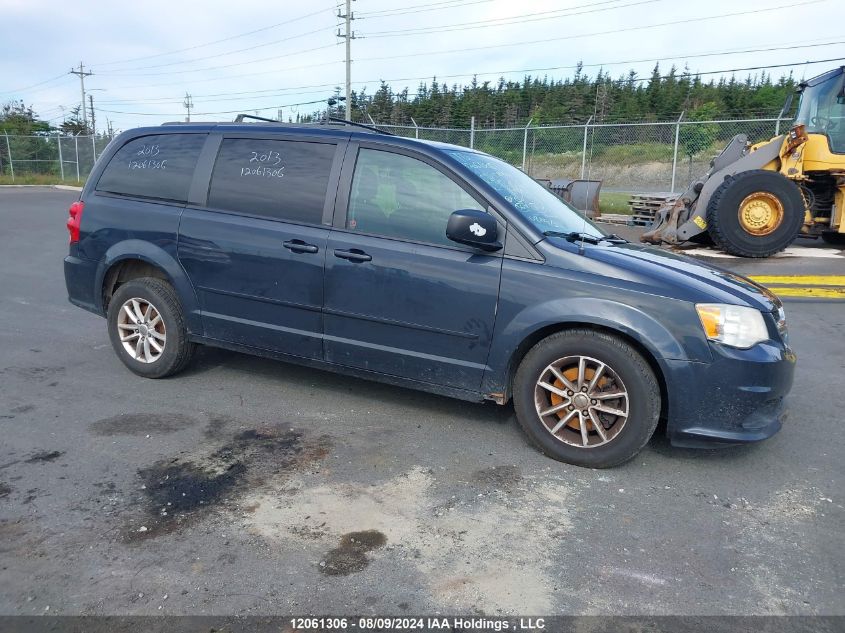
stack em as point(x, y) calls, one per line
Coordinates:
point(821, 107)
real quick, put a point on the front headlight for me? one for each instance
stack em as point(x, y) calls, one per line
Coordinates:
point(736, 326)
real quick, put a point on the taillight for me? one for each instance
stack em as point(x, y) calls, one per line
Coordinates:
point(75, 220)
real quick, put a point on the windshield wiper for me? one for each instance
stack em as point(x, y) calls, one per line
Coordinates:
point(615, 239)
point(577, 236)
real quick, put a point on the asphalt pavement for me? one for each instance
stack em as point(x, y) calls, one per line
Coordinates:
point(248, 486)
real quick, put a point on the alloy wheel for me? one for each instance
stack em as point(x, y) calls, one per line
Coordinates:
point(141, 330)
point(581, 401)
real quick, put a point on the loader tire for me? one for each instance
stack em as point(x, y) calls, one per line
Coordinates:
point(755, 213)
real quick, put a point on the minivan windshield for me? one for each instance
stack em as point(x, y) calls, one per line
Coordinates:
point(539, 206)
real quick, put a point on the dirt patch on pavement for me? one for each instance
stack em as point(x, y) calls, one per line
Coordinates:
point(351, 555)
point(44, 456)
point(481, 549)
point(5, 490)
point(141, 424)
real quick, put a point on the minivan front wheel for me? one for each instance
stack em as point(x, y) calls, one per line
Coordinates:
point(147, 328)
point(586, 398)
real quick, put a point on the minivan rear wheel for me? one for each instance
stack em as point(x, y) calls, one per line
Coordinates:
point(147, 328)
point(586, 398)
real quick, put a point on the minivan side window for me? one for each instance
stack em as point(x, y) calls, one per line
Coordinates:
point(283, 180)
point(399, 196)
point(159, 166)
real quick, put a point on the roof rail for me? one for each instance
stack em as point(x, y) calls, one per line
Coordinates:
point(240, 118)
point(371, 128)
point(255, 117)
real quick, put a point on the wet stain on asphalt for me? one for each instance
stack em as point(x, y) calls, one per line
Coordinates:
point(177, 491)
point(5, 490)
point(141, 424)
point(350, 555)
point(44, 456)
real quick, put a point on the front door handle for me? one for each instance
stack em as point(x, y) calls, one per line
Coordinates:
point(298, 246)
point(353, 255)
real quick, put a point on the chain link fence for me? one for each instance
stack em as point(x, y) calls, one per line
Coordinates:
point(630, 157)
point(49, 157)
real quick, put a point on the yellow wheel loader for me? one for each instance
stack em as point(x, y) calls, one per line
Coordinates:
point(756, 199)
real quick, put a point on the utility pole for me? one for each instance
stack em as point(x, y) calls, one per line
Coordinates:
point(93, 125)
point(82, 75)
point(189, 104)
point(349, 35)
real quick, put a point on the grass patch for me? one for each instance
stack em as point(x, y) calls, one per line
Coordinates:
point(614, 202)
point(634, 153)
point(39, 179)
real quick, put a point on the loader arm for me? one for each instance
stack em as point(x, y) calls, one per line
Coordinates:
point(686, 217)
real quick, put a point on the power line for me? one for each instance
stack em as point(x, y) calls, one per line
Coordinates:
point(240, 50)
point(445, 28)
point(505, 45)
point(41, 83)
point(252, 61)
point(515, 19)
point(273, 107)
point(225, 39)
point(389, 13)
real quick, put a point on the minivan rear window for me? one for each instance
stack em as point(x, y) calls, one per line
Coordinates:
point(158, 166)
point(284, 180)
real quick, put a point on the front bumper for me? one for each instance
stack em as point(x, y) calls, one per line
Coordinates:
point(738, 398)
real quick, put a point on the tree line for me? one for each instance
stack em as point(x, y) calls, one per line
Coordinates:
point(572, 100)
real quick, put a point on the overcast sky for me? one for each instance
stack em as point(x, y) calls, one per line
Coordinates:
point(237, 56)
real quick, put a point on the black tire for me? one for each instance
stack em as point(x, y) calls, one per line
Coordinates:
point(723, 214)
point(177, 349)
point(636, 374)
point(833, 238)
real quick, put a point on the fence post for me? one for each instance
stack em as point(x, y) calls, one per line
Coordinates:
point(11, 162)
point(525, 143)
point(781, 114)
point(584, 148)
point(675, 153)
point(472, 133)
point(416, 128)
point(61, 162)
point(76, 147)
point(93, 150)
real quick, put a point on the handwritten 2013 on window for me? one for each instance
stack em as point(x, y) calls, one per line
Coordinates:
point(264, 164)
point(145, 158)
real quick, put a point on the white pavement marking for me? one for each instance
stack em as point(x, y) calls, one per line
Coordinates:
point(792, 251)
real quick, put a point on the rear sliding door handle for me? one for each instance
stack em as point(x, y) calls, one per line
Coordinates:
point(298, 246)
point(353, 255)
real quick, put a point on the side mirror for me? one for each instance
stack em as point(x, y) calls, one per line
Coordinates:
point(474, 228)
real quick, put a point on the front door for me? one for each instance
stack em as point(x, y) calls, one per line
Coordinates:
point(400, 298)
point(256, 253)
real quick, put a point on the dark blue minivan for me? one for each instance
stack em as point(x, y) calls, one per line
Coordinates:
point(424, 265)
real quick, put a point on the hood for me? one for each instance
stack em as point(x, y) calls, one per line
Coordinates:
point(671, 274)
